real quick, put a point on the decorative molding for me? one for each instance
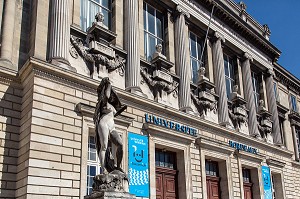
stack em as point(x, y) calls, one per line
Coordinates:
point(275, 163)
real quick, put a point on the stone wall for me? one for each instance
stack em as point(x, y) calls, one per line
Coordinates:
point(10, 115)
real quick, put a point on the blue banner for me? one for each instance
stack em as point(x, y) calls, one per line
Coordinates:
point(138, 165)
point(266, 177)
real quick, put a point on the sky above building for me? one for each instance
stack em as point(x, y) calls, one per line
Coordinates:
point(283, 19)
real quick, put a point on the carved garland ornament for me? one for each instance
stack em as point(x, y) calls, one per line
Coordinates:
point(204, 105)
point(159, 84)
point(95, 59)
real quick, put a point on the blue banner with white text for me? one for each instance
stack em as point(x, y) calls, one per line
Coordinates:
point(266, 177)
point(138, 165)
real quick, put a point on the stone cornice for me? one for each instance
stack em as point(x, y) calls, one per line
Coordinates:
point(75, 80)
point(7, 76)
point(252, 33)
point(287, 78)
point(275, 163)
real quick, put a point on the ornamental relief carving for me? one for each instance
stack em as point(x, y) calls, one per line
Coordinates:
point(104, 56)
point(158, 84)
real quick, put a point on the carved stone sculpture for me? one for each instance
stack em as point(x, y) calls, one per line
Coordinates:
point(94, 60)
point(113, 179)
point(238, 112)
point(159, 85)
point(265, 123)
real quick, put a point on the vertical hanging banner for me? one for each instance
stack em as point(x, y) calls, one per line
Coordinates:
point(266, 177)
point(138, 165)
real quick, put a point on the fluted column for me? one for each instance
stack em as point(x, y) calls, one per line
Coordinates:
point(248, 91)
point(60, 33)
point(8, 34)
point(132, 47)
point(183, 68)
point(219, 74)
point(277, 139)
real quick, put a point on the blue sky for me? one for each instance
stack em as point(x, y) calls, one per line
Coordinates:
point(283, 19)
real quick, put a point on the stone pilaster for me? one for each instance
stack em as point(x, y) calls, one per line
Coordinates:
point(277, 139)
point(8, 34)
point(183, 68)
point(296, 148)
point(219, 74)
point(132, 46)
point(248, 91)
point(60, 33)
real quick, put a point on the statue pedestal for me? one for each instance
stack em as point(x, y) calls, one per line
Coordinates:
point(110, 195)
point(111, 185)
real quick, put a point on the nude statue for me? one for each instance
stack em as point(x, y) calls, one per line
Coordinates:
point(108, 106)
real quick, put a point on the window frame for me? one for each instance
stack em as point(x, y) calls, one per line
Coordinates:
point(90, 163)
point(229, 78)
point(85, 22)
point(148, 34)
point(293, 103)
point(211, 168)
point(256, 87)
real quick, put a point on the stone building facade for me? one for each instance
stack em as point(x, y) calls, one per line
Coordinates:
point(236, 107)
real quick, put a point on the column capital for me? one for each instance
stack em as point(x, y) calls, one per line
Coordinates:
point(270, 72)
point(182, 11)
point(247, 56)
point(219, 36)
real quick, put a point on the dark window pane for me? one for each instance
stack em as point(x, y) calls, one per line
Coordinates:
point(151, 47)
point(228, 88)
point(106, 4)
point(145, 17)
point(159, 25)
point(92, 170)
point(199, 49)
point(193, 48)
point(151, 20)
point(106, 17)
point(226, 68)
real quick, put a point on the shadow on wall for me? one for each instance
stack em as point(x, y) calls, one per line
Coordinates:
point(10, 114)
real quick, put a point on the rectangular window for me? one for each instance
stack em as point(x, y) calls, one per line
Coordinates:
point(165, 159)
point(153, 30)
point(211, 168)
point(294, 103)
point(196, 45)
point(93, 164)
point(246, 175)
point(255, 84)
point(229, 74)
point(88, 10)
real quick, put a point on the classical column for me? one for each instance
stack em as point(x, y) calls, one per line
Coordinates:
point(7, 39)
point(249, 97)
point(60, 33)
point(296, 148)
point(277, 139)
point(132, 46)
point(183, 68)
point(219, 74)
